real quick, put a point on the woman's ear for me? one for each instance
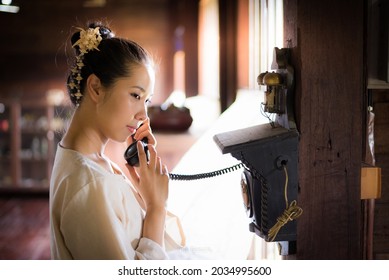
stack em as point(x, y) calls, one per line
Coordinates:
point(94, 88)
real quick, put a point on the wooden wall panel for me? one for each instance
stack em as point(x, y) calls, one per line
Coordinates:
point(328, 59)
point(381, 231)
point(381, 140)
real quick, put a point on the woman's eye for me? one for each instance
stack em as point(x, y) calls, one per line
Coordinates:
point(148, 102)
point(135, 95)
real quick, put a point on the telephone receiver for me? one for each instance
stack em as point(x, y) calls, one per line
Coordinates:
point(131, 153)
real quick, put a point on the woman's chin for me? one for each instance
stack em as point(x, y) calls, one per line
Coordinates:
point(121, 139)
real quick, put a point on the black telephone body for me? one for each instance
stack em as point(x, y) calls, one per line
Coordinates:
point(131, 153)
point(265, 151)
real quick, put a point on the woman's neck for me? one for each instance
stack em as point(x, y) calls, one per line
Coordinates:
point(83, 137)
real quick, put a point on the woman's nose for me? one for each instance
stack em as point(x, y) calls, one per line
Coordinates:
point(142, 114)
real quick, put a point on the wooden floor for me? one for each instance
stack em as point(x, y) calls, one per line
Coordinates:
point(24, 228)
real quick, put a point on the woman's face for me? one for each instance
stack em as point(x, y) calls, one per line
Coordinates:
point(125, 104)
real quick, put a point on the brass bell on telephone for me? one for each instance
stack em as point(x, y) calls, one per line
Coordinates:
point(260, 78)
point(279, 92)
point(275, 94)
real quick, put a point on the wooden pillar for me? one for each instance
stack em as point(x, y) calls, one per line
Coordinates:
point(184, 15)
point(228, 52)
point(327, 53)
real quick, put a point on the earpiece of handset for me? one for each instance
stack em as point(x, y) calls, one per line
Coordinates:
point(131, 153)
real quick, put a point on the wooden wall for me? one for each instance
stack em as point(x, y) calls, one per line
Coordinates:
point(381, 135)
point(327, 42)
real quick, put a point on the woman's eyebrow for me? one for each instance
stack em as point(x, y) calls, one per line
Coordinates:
point(140, 88)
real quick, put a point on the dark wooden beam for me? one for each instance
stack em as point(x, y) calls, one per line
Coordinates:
point(327, 46)
point(228, 52)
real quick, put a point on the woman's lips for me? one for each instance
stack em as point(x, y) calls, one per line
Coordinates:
point(131, 129)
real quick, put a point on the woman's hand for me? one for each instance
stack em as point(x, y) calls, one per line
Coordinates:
point(148, 174)
point(144, 130)
point(150, 179)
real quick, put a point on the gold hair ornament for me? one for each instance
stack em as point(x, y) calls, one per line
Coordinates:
point(89, 40)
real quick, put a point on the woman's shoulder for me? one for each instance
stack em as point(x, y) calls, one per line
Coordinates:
point(74, 173)
point(70, 163)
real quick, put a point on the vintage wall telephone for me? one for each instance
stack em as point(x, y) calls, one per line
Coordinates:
point(269, 156)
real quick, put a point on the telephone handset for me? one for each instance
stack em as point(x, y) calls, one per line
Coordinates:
point(132, 158)
point(131, 153)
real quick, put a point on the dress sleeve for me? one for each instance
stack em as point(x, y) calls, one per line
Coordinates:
point(96, 224)
point(150, 250)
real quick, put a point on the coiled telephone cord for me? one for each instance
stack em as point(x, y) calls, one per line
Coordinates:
point(291, 212)
point(184, 177)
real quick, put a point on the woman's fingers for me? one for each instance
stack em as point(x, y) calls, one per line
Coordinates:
point(145, 131)
point(153, 179)
point(141, 154)
point(159, 165)
point(153, 156)
point(153, 159)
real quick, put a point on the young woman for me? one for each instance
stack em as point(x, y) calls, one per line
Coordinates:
point(96, 212)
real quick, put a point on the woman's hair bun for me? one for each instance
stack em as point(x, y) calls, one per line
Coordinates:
point(105, 33)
